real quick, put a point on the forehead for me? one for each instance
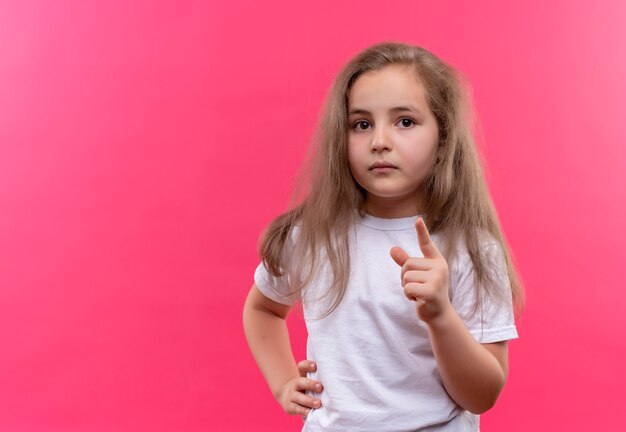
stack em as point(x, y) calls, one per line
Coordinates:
point(394, 85)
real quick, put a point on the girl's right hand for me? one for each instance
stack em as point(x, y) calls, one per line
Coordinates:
point(292, 396)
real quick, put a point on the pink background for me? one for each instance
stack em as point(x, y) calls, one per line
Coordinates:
point(144, 146)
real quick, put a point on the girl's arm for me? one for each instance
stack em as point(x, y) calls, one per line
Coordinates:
point(473, 374)
point(268, 338)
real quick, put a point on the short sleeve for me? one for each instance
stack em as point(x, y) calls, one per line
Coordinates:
point(274, 288)
point(279, 289)
point(494, 321)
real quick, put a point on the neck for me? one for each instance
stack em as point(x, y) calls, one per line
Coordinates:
point(392, 209)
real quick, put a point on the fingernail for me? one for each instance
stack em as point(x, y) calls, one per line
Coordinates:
point(318, 387)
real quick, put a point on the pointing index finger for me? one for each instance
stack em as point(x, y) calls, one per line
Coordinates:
point(428, 248)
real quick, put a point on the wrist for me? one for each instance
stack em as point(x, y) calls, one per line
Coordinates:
point(279, 392)
point(444, 319)
point(280, 389)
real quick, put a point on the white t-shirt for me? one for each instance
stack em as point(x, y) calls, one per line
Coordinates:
point(373, 353)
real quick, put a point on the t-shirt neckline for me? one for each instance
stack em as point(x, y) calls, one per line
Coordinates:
point(385, 224)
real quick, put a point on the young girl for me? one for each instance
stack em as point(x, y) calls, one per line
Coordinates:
point(397, 257)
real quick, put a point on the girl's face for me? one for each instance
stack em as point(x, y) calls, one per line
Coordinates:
point(392, 140)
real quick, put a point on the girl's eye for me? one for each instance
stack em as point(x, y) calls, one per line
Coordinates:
point(407, 122)
point(361, 122)
point(362, 125)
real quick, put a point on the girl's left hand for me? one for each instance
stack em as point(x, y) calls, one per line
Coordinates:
point(425, 280)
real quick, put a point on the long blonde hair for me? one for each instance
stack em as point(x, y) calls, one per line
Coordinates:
point(457, 200)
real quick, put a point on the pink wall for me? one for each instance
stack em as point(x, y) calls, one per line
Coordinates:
point(144, 145)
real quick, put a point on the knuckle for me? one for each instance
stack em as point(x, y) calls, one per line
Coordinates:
point(407, 265)
point(297, 399)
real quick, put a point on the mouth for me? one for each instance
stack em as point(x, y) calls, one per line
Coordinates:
point(382, 166)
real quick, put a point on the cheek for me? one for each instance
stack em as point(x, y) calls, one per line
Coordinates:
point(354, 169)
point(355, 162)
point(431, 156)
point(353, 155)
point(423, 162)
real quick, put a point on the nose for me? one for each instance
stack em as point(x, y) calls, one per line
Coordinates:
point(380, 140)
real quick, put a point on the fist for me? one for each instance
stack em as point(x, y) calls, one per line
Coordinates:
point(425, 280)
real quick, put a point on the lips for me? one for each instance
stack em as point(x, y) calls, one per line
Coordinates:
point(381, 164)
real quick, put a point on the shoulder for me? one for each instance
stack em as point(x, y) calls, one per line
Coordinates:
point(492, 276)
point(490, 252)
point(483, 297)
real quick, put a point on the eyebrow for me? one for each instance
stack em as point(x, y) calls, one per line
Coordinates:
point(394, 109)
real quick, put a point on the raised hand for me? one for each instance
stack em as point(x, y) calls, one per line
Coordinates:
point(292, 396)
point(425, 280)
